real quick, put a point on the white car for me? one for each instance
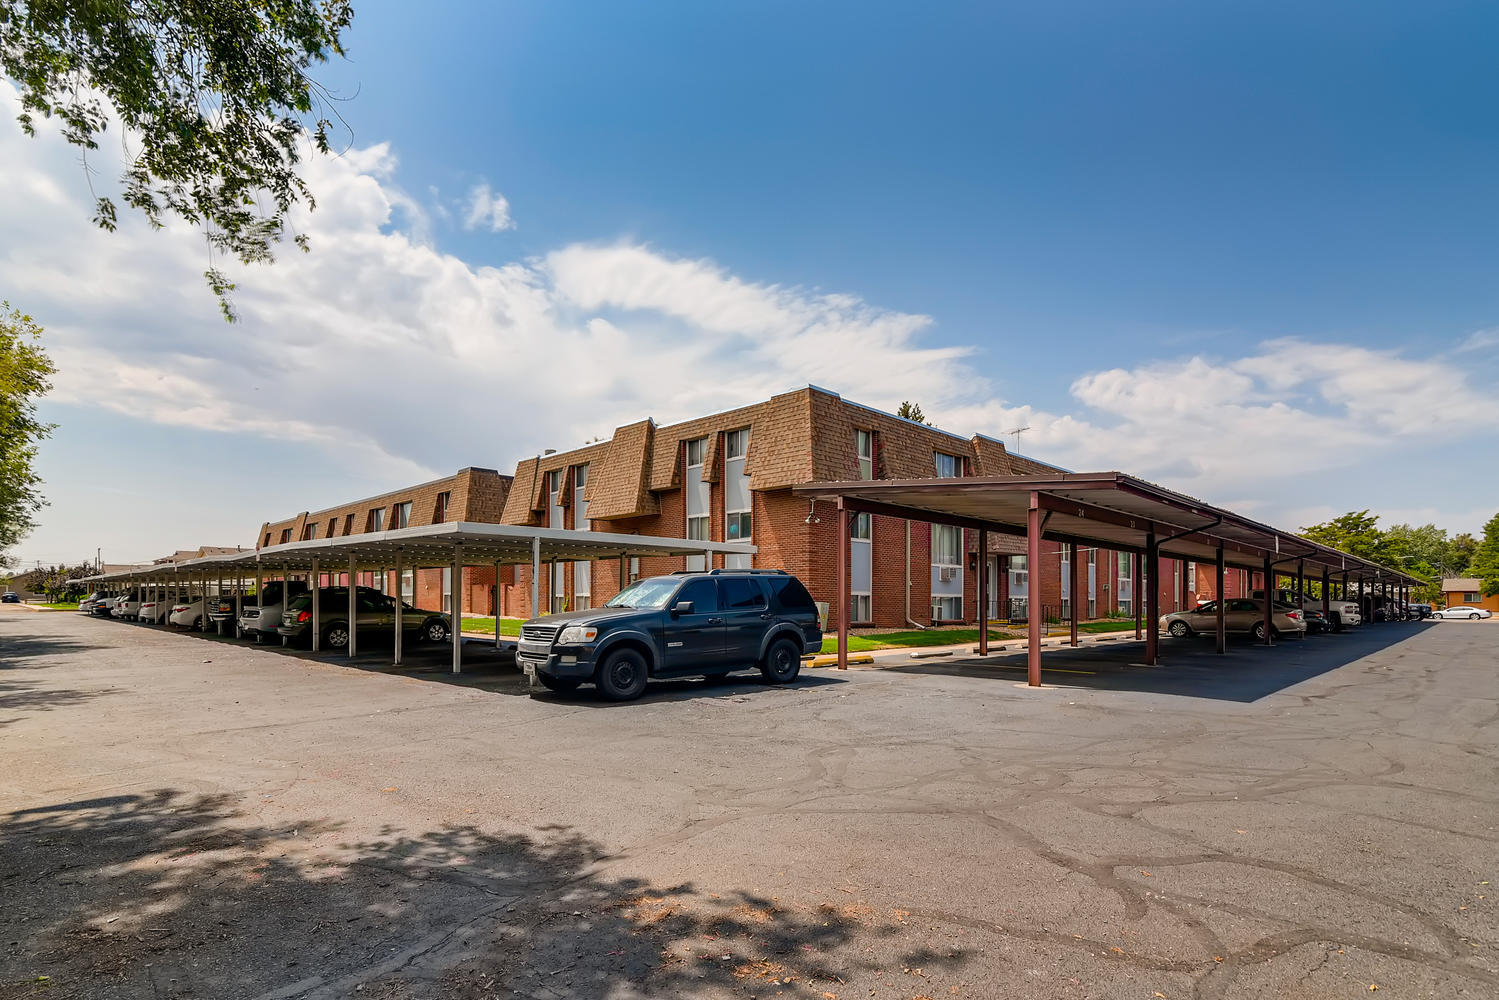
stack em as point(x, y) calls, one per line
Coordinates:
point(259, 620)
point(126, 607)
point(187, 613)
point(153, 610)
point(1462, 611)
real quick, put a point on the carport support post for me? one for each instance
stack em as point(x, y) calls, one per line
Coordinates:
point(497, 592)
point(1327, 596)
point(353, 620)
point(1138, 595)
point(983, 592)
point(1301, 583)
point(1269, 598)
point(845, 525)
point(399, 596)
point(536, 576)
point(1222, 630)
point(1152, 600)
point(317, 620)
point(455, 608)
point(1033, 561)
point(1074, 603)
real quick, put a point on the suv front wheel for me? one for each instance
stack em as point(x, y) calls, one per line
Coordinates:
point(622, 676)
point(783, 661)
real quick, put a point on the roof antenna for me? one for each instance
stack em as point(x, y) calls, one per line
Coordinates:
point(1017, 431)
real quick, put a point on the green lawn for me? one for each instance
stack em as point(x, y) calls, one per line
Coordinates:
point(508, 626)
point(61, 606)
point(898, 640)
point(1111, 625)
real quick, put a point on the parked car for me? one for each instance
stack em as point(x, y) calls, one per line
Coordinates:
point(1341, 614)
point(260, 615)
point(1242, 614)
point(373, 612)
point(1316, 621)
point(153, 610)
point(87, 605)
point(10, 597)
point(126, 606)
point(1462, 611)
point(104, 605)
point(1417, 612)
point(187, 613)
point(682, 625)
point(221, 609)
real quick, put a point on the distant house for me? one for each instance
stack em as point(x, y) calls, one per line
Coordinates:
point(1467, 590)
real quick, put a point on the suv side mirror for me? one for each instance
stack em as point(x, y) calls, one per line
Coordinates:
point(682, 608)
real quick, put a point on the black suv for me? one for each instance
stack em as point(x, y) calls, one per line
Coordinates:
point(682, 625)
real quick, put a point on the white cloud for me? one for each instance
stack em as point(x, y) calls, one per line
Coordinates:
point(487, 209)
point(1480, 340)
point(391, 354)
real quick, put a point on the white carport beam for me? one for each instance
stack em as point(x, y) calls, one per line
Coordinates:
point(497, 608)
point(399, 597)
point(353, 619)
point(535, 577)
point(455, 608)
point(317, 620)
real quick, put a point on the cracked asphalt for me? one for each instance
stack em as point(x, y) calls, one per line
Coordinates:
point(187, 817)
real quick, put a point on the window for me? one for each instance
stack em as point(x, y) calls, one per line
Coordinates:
point(403, 515)
point(864, 448)
point(741, 594)
point(377, 519)
point(697, 500)
point(332, 526)
point(583, 570)
point(309, 531)
point(267, 538)
point(447, 587)
point(861, 566)
point(947, 544)
point(440, 512)
point(789, 594)
point(948, 466)
point(285, 535)
point(408, 584)
point(1126, 593)
point(738, 527)
point(736, 444)
point(1471, 597)
point(697, 528)
point(580, 506)
point(947, 572)
point(695, 451)
point(702, 594)
point(348, 524)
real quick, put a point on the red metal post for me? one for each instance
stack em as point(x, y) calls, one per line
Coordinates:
point(1152, 600)
point(1033, 560)
point(983, 591)
point(1222, 603)
point(1138, 588)
point(1074, 603)
point(1182, 598)
point(845, 525)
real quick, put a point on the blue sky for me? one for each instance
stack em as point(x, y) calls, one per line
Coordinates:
point(1276, 225)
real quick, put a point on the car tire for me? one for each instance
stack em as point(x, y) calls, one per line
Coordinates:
point(435, 630)
point(1474, 617)
point(1258, 632)
point(1180, 629)
point(336, 637)
point(782, 663)
point(561, 685)
point(622, 676)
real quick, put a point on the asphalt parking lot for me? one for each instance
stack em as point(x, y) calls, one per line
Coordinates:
point(186, 817)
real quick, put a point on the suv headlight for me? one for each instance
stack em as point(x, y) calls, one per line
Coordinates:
point(575, 634)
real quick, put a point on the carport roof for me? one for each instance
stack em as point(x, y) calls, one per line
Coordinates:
point(435, 544)
point(1108, 509)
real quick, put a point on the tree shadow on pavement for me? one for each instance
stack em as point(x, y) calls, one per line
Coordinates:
point(173, 895)
point(19, 696)
point(14, 648)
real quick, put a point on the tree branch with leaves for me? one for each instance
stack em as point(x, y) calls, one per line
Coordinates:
point(25, 376)
point(214, 98)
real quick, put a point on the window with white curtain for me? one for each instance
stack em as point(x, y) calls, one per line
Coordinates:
point(861, 569)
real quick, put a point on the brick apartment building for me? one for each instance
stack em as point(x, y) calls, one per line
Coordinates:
point(470, 494)
point(727, 477)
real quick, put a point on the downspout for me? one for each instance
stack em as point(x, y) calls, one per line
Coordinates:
point(919, 627)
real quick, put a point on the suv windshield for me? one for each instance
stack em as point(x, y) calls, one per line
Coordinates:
point(652, 593)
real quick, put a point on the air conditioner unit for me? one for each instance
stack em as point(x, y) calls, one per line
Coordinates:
point(947, 574)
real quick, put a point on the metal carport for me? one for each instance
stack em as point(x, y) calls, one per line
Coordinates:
point(454, 545)
point(1108, 509)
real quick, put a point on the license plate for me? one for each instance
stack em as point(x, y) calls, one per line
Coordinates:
point(529, 669)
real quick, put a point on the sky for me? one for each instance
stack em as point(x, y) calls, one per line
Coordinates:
point(1247, 251)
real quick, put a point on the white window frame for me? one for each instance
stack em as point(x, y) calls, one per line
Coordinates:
point(864, 450)
point(403, 515)
point(861, 605)
point(377, 519)
point(957, 465)
point(700, 445)
point(736, 443)
point(408, 586)
point(699, 527)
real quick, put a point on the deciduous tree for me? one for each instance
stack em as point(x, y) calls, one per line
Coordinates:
point(25, 375)
point(213, 95)
point(1485, 564)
